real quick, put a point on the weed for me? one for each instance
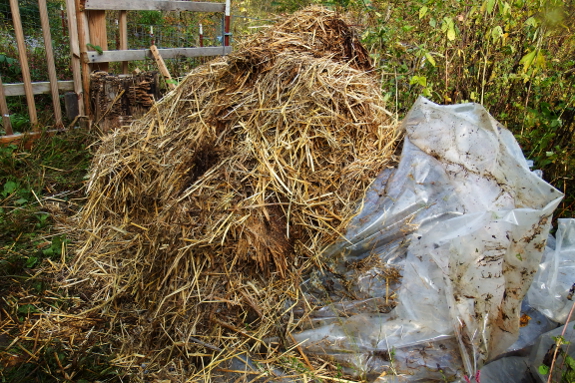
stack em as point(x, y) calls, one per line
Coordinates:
point(558, 352)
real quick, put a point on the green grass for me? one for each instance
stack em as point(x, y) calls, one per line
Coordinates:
point(32, 183)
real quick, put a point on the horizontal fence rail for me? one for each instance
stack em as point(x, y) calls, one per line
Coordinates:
point(42, 87)
point(167, 53)
point(82, 33)
point(153, 5)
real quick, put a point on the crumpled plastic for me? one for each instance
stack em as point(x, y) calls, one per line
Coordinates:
point(427, 283)
point(533, 323)
point(556, 275)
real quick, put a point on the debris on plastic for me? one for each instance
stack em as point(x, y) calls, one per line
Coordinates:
point(532, 324)
point(427, 283)
point(551, 291)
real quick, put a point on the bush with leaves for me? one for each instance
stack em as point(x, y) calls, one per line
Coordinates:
point(514, 57)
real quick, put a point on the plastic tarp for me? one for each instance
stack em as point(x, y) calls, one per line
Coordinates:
point(428, 282)
point(555, 278)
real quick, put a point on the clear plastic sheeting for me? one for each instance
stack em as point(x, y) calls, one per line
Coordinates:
point(533, 324)
point(555, 278)
point(427, 284)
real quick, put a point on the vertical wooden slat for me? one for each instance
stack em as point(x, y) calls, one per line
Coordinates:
point(50, 61)
point(123, 26)
point(24, 64)
point(83, 39)
point(4, 111)
point(98, 35)
point(75, 53)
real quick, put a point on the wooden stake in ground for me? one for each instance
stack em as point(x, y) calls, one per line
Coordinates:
point(162, 66)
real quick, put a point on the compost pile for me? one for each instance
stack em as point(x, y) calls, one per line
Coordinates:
point(204, 216)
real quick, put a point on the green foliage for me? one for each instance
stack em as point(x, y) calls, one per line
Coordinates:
point(28, 9)
point(97, 48)
point(150, 17)
point(564, 364)
point(55, 167)
point(9, 67)
point(514, 57)
point(54, 164)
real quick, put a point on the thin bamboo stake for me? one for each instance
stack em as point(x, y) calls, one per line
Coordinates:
point(24, 64)
point(50, 61)
point(75, 53)
point(4, 111)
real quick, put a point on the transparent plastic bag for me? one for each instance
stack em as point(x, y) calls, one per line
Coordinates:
point(428, 282)
point(533, 324)
point(556, 275)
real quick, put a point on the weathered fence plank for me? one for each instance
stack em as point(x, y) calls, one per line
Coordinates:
point(98, 35)
point(75, 53)
point(50, 61)
point(83, 39)
point(167, 53)
point(43, 87)
point(123, 31)
point(24, 63)
point(153, 5)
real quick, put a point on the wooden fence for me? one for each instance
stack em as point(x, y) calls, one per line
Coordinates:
point(87, 29)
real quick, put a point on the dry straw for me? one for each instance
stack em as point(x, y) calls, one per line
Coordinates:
point(204, 216)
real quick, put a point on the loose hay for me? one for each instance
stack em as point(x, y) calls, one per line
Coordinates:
point(204, 215)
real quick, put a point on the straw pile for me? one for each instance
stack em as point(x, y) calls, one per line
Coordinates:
point(204, 215)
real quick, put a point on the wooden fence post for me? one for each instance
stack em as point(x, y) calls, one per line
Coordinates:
point(83, 39)
point(4, 110)
point(98, 34)
point(123, 26)
point(50, 61)
point(75, 53)
point(24, 64)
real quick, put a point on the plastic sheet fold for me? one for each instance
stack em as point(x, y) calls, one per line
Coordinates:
point(427, 284)
point(554, 282)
